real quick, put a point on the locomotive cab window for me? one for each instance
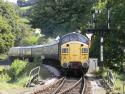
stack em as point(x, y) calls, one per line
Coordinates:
point(65, 50)
point(85, 50)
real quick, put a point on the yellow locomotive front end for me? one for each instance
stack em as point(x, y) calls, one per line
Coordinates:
point(74, 51)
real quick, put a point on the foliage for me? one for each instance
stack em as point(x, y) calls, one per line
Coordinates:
point(3, 56)
point(31, 40)
point(25, 31)
point(13, 28)
point(22, 81)
point(6, 86)
point(118, 77)
point(57, 16)
point(1, 69)
point(8, 25)
point(4, 77)
point(9, 12)
point(114, 39)
point(95, 46)
point(6, 36)
point(25, 11)
point(16, 69)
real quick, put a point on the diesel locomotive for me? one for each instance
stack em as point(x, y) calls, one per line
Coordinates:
point(72, 50)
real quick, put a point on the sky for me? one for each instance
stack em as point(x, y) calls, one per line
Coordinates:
point(14, 1)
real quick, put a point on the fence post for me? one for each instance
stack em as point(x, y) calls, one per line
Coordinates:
point(123, 87)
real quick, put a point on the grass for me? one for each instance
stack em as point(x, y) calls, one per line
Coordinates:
point(21, 82)
point(3, 56)
point(43, 71)
point(8, 88)
point(12, 87)
point(2, 68)
point(5, 85)
point(119, 79)
point(17, 86)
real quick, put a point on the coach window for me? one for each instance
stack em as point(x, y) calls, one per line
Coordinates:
point(85, 50)
point(65, 50)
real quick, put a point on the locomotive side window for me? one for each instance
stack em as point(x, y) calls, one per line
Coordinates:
point(85, 50)
point(65, 50)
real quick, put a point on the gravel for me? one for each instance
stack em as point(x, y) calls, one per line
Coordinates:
point(52, 70)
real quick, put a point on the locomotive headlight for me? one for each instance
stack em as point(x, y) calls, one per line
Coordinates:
point(85, 50)
point(85, 65)
point(65, 65)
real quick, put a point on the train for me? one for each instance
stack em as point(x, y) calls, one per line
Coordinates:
point(72, 50)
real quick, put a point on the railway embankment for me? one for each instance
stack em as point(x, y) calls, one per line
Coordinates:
point(94, 85)
point(16, 86)
point(47, 77)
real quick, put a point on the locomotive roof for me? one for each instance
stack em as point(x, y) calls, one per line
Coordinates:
point(74, 37)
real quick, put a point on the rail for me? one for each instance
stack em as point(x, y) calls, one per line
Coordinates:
point(57, 90)
point(83, 88)
point(68, 85)
point(70, 88)
point(46, 88)
point(63, 86)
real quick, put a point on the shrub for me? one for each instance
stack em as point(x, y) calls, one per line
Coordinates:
point(4, 77)
point(30, 40)
point(16, 69)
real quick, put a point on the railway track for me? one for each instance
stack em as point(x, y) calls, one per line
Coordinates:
point(64, 86)
point(70, 86)
point(88, 87)
point(49, 88)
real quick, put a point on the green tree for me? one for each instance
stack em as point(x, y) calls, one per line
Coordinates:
point(8, 28)
point(6, 36)
point(13, 28)
point(55, 16)
point(30, 40)
point(114, 39)
point(16, 70)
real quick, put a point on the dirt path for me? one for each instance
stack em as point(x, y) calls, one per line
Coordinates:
point(97, 87)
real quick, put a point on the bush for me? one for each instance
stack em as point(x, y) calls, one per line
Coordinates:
point(16, 69)
point(30, 40)
point(4, 77)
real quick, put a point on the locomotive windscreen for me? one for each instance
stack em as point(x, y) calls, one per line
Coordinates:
point(74, 37)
